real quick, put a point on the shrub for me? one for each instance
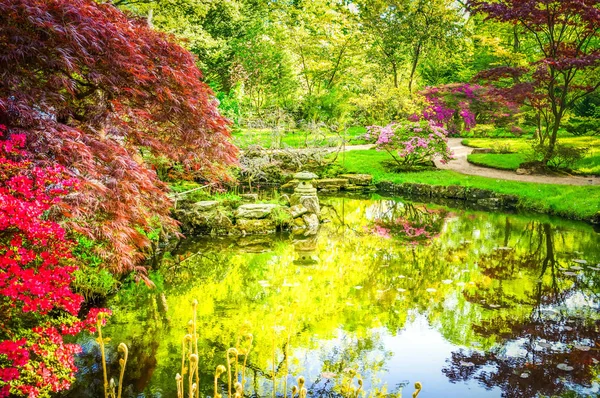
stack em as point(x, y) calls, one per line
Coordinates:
point(563, 157)
point(37, 306)
point(412, 144)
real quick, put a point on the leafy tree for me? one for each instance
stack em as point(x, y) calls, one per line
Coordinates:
point(564, 70)
point(404, 31)
point(94, 91)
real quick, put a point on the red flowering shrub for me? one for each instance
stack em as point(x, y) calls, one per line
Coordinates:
point(37, 306)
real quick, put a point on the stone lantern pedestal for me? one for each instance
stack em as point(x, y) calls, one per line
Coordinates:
point(306, 195)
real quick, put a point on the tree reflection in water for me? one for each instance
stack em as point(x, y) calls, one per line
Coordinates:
point(562, 326)
point(493, 294)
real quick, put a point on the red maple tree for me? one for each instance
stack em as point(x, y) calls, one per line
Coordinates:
point(565, 68)
point(96, 91)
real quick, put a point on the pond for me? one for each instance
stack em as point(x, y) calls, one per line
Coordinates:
point(469, 303)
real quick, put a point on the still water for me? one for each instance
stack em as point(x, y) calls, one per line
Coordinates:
point(470, 304)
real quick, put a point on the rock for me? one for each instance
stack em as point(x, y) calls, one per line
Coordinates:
point(438, 191)
point(418, 189)
point(455, 192)
point(331, 183)
point(482, 150)
point(205, 205)
point(290, 186)
point(358, 179)
point(312, 224)
point(310, 202)
point(298, 210)
point(475, 194)
point(352, 188)
point(490, 203)
point(255, 210)
point(523, 171)
point(255, 226)
point(249, 197)
point(214, 221)
point(509, 201)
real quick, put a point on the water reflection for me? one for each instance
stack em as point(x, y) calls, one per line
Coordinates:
point(475, 305)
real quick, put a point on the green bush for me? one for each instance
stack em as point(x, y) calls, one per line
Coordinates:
point(579, 126)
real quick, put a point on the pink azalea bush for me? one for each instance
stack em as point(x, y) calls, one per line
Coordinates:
point(460, 106)
point(412, 143)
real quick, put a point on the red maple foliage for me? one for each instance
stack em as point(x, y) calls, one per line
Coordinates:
point(566, 34)
point(37, 306)
point(94, 91)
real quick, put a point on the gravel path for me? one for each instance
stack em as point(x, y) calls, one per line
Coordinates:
point(461, 165)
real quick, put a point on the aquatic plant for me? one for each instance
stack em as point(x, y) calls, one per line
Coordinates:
point(109, 386)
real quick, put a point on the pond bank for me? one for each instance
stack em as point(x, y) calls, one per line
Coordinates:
point(572, 202)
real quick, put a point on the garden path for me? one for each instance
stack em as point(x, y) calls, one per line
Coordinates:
point(461, 165)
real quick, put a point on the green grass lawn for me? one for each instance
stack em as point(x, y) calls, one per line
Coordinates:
point(269, 138)
point(580, 202)
point(590, 164)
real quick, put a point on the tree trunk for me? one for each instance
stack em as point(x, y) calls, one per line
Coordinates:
point(413, 69)
point(395, 72)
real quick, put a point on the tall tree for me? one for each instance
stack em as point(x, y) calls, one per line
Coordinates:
point(93, 90)
point(565, 67)
point(404, 31)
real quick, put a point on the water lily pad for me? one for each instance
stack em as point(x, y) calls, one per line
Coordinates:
point(579, 261)
point(431, 290)
point(524, 375)
point(447, 281)
point(582, 347)
point(467, 364)
point(565, 367)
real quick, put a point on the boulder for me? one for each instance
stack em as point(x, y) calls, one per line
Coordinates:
point(331, 183)
point(255, 226)
point(255, 210)
point(249, 197)
point(298, 210)
point(358, 179)
point(522, 171)
point(205, 205)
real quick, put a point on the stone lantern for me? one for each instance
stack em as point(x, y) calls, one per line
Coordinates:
point(305, 194)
